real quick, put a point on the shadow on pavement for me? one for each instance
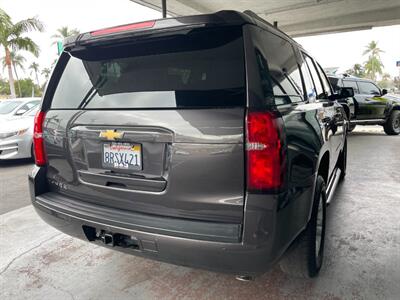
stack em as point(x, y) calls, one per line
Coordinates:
point(16, 162)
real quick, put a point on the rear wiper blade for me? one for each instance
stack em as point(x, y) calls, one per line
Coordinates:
point(91, 93)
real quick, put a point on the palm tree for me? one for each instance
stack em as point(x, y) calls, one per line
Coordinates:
point(11, 38)
point(374, 64)
point(64, 32)
point(46, 73)
point(35, 69)
point(17, 60)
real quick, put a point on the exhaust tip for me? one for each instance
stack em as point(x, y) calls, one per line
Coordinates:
point(245, 278)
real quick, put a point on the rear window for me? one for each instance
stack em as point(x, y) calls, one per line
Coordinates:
point(202, 68)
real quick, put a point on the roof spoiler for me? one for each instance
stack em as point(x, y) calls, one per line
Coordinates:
point(166, 26)
point(159, 26)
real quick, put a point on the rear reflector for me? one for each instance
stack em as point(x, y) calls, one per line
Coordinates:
point(264, 152)
point(128, 27)
point(38, 141)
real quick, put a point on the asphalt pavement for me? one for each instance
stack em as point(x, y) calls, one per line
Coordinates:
point(362, 257)
point(14, 191)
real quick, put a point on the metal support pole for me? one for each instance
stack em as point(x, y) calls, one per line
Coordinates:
point(164, 8)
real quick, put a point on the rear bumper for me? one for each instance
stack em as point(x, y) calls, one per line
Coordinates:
point(260, 244)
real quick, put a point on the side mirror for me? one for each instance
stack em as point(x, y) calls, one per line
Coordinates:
point(346, 92)
point(21, 112)
point(384, 92)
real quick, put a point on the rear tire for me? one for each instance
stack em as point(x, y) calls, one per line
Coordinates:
point(305, 256)
point(392, 125)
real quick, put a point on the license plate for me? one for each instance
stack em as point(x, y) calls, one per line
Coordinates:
point(122, 156)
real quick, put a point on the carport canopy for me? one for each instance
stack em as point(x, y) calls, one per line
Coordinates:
point(296, 17)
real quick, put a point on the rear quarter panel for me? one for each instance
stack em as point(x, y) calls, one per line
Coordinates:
point(306, 139)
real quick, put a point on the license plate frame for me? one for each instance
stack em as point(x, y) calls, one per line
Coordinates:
point(124, 161)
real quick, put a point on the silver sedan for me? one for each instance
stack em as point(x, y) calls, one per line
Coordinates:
point(16, 136)
point(17, 107)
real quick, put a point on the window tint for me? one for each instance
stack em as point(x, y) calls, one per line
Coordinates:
point(315, 78)
point(199, 69)
point(324, 80)
point(352, 84)
point(7, 107)
point(278, 65)
point(368, 88)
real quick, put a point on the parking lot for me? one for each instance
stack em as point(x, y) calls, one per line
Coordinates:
point(362, 258)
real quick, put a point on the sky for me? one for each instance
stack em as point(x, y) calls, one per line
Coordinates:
point(332, 50)
point(345, 49)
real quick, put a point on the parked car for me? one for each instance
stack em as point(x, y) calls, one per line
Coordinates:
point(16, 107)
point(370, 105)
point(16, 136)
point(203, 141)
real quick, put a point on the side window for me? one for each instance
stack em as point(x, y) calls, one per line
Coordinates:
point(27, 106)
point(352, 84)
point(368, 88)
point(283, 70)
point(310, 91)
point(264, 75)
point(315, 78)
point(325, 83)
point(32, 104)
point(295, 78)
point(334, 83)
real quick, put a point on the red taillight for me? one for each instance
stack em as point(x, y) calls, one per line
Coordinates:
point(38, 142)
point(148, 24)
point(264, 152)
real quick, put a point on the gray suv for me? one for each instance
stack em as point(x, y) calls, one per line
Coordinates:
point(212, 141)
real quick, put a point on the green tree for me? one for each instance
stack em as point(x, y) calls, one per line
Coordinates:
point(28, 86)
point(4, 87)
point(64, 32)
point(12, 38)
point(17, 61)
point(35, 69)
point(374, 64)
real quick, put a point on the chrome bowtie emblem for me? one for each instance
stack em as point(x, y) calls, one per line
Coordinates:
point(111, 135)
